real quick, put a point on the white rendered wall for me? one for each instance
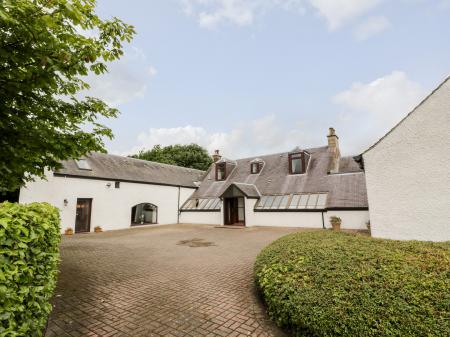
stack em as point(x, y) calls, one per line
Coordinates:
point(208, 218)
point(350, 219)
point(111, 207)
point(408, 175)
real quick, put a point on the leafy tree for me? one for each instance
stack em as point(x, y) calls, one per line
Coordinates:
point(192, 155)
point(46, 47)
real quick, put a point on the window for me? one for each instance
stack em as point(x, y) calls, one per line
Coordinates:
point(221, 170)
point(297, 163)
point(255, 168)
point(300, 201)
point(117, 184)
point(143, 214)
point(83, 164)
point(202, 204)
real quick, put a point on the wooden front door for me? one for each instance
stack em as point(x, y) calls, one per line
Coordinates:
point(83, 216)
point(234, 211)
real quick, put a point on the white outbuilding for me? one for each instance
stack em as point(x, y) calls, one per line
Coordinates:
point(408, 174)
point(114, 192)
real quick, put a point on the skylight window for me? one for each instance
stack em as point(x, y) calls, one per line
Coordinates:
point(83, 164)
point(292, 201)
point(202, 204)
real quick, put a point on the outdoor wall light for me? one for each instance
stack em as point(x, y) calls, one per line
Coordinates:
point(66, 202)
point(108, 185)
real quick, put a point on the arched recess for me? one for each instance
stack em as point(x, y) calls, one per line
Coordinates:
point(144, 214)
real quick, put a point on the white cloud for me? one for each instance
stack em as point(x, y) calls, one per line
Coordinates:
point(152, 71)
point(213, 13)
point(372, 26)
point(340, 12)
point(124, 82)
point(369, 110)
point(263, 135)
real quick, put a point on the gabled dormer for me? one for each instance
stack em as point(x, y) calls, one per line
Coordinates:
point(298, 161)
point(223, 168)
point(256, 166)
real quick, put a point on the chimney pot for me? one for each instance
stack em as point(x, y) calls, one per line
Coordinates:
point(216, 156)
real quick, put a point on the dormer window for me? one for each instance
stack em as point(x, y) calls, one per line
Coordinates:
point(255, 167)
point(221, 171)
point(298, 162)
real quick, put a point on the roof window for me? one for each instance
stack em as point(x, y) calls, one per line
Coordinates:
point(83, 164)
point(293, 201)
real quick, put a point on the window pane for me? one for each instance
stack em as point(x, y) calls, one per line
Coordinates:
point(284, 201)
point(216, 204)
point(294, 201)
point(209, 203)
point(322, 201)
point(241, 214)
point(276, 202)
point(296, 165)
point(202, 203)
point(261, 202)
point(312, 201)
point(269, 201)
point(83, 164)
point(303, 201)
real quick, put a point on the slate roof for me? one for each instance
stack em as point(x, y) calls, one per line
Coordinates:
point(112, 167)
point(250, 190)
point(346, 189)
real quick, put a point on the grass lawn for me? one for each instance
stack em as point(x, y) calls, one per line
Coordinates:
point(339, 284)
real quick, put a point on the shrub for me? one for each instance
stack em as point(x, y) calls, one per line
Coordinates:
point(339, 284)
point(29, 238)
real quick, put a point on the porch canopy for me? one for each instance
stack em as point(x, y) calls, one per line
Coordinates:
point(241, 190)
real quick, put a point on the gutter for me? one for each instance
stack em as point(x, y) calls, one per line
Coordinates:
point(323, 221)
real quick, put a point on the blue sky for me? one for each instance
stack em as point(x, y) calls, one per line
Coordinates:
point(258, 76)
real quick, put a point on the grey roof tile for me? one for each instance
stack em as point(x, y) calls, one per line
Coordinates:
point(347, 189)
point(108, 166)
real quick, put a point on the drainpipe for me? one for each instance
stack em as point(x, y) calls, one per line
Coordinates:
point(178, 213)
point(323, 221)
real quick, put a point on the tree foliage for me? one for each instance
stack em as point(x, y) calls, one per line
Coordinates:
point(46, 47)
point(192, 155)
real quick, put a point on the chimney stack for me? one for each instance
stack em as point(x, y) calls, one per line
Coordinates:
point(333, 149)
point(216, 156)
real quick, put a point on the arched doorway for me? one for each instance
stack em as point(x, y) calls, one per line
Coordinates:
point(144, 214)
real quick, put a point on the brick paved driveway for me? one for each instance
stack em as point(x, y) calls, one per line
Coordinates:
point(177, 280)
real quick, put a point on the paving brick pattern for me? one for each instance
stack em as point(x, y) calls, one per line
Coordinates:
point(153, 282)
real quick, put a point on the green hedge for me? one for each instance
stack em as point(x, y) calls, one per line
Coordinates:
point(338, 284)
point(29, 239)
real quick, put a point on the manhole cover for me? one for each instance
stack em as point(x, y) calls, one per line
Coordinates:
point(195, 243)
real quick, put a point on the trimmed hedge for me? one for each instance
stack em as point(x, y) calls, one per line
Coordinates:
point(327, 283)
point(29, 239)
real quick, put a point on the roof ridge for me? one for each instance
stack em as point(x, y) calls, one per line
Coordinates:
point(408, 114)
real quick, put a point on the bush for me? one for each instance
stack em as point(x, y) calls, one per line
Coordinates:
point(339, 284)
point(29, 239)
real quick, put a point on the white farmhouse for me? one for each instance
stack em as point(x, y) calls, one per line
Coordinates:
point(300, 188)
point(408, 174)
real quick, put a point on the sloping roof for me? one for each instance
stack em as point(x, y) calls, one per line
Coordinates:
point(249, 190)
point(347, 189)
point(108, 166)
point(411, 112)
